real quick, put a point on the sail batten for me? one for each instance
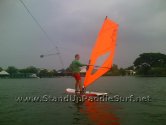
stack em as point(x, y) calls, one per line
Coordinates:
point(105, 43)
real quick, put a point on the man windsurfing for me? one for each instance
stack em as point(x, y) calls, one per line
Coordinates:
point(75, 69)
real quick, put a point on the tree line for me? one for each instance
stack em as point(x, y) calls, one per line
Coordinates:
point(150, 64)
point(12, 70)
point(147, 64)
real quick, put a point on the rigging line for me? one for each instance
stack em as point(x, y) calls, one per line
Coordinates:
point(56, 47)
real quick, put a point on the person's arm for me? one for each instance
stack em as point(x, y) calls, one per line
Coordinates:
point(80, 64)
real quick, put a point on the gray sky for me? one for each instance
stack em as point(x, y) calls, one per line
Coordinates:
point(73, 27)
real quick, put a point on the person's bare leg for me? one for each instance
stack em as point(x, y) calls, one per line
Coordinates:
point(76, 86)
point(80, 85)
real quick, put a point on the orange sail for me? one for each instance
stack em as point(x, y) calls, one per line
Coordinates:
point(105, 44)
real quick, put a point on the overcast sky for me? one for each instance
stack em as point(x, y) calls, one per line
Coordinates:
point(73, 27)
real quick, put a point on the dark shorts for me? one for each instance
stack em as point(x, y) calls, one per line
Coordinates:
point(77, 76)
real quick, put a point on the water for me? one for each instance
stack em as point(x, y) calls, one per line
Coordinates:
point(87, 113)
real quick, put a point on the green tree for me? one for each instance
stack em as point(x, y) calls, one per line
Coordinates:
point(22, 71)
point(30, 69)
point(52, 73)
point(143, 69)
point(43, 73)
point(153, 59)
point(1, 69)
point(130, 68)
point(150, 64)
point(114, 70)
point(12, 70)
point(122, 71)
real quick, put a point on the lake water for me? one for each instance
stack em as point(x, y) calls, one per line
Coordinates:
point(86, 113)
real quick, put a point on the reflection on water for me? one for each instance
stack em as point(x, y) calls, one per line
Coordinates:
point(77, 120)
point(96, 113)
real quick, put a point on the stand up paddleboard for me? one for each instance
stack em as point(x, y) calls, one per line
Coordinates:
point(87, 93)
